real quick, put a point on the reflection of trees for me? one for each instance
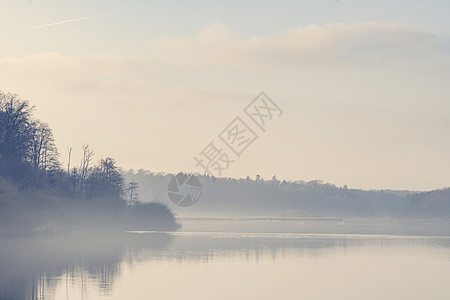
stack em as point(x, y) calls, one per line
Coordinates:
point(204, 247)
point(251, 246)
point(30, 267)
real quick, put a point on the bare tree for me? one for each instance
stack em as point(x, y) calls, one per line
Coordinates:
point(106, 183)
point(15, 128)
point(43, 152)
point(69, 150)
point(85, 164)
point(132, 190)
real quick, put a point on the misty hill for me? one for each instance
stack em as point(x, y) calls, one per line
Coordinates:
point(429, 204)
point(248, 197)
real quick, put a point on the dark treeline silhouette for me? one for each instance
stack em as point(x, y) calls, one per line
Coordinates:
point(37, 194)
point(27, 148)
point(259, 197)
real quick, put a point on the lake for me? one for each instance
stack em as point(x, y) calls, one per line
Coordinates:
point(236, 259)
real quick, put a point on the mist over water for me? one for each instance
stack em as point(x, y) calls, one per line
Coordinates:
point(224, 150)
point(235, 259)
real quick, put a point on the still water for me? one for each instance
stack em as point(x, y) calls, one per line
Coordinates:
point(236, 259)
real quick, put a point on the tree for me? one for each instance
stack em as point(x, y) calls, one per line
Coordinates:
point(27, 146)
point(69, 152)
point(15, 128)
point(106, 182)
point(43, 152)
point(15, 140)
point(85, 165)
point(132, 190)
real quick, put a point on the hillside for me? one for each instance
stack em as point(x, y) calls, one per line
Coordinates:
point(248, 197)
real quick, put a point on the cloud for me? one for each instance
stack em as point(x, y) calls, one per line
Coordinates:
point(313, 44)
point(217, 46)
point(216, 62)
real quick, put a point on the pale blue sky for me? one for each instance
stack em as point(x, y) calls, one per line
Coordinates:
point(363, 84)
point(123, 25)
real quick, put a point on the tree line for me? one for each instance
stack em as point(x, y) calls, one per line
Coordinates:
point(29, 158)
point(33, 179)
point(257, 196)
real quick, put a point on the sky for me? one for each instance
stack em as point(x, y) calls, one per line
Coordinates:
point(363, 85)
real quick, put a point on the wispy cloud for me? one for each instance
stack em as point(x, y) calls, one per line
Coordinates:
point(314, 45)
point(62, 22)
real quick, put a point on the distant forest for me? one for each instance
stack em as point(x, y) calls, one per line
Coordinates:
point(38, 194)
point(229, 197)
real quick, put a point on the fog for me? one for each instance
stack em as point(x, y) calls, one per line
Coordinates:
point(97, 265)
point(232, 197)
point(224, 150)
point(93, 230)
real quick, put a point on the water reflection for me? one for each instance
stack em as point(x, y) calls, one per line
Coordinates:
point(30, 268)
point(90, 265)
